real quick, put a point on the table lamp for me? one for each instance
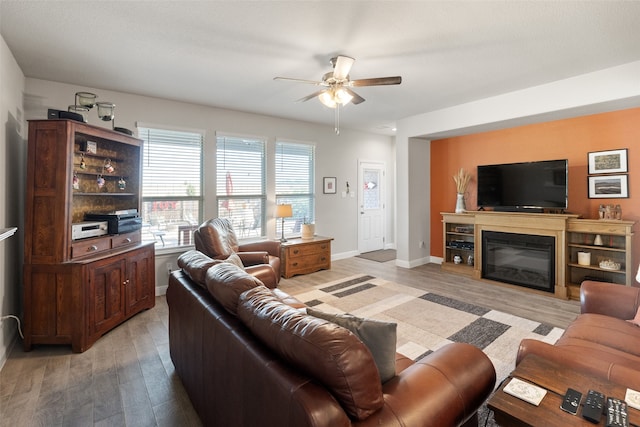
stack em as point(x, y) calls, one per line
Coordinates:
point(283, 211)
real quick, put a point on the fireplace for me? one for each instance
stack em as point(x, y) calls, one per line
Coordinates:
point(519, 259)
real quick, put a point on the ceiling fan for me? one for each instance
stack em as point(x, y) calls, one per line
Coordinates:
point(337, 86)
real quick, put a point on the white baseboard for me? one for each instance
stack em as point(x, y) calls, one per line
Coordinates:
point(161, 290)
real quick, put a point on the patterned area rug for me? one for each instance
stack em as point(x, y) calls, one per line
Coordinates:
point(427, 321)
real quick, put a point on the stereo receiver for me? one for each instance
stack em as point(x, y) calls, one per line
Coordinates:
point(82, 230)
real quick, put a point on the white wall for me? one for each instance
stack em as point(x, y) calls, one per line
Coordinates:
point(336, 155)
point(12, 158)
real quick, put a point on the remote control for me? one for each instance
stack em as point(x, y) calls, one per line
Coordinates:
point(571, 401)
point(593, 406)
point(616, 413)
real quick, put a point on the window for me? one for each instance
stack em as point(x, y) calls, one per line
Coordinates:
point(171, 186)
point(294, 165)
point(241, 189)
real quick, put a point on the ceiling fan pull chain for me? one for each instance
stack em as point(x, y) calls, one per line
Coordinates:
point(336, 126)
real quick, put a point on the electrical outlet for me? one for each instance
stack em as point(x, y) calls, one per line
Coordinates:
point(421, 244)
point(169, 268)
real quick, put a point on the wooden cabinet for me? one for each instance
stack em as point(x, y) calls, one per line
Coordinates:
point(76, 290)
point(459, 243)
point(608, 245)
point(303, 256)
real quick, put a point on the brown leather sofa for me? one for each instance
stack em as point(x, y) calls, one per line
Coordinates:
point(250, 356)
point(217, 239)
point(600, 341)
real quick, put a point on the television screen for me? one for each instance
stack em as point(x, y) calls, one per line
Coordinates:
point(523, 186)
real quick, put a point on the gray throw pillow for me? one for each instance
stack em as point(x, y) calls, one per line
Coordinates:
point(235, 259)
point(379, 337)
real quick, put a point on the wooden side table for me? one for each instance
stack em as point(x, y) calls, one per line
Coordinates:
point(555, 378)
point(304, 256)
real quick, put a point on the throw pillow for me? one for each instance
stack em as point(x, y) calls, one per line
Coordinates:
point(636, 320)
point(235, 260)
point(379, 337)
point(323, 350)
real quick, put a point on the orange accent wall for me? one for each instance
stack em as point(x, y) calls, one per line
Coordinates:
point(568, 139)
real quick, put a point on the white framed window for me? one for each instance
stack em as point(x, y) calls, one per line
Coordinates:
point(172, 198)
point(241, 183)
point(295, 184)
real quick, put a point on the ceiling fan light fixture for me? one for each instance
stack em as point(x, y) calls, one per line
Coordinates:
point(342, 96)
point(333, 97)
point(328, 99)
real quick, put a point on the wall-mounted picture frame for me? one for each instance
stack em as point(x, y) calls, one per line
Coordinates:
point(329, 185)
point(608, 186)
point(612, 161)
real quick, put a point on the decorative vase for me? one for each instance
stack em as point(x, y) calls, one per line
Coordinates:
point(308, 230)
point(460, 206)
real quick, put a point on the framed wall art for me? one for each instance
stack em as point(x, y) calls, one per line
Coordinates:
point(608, 187)
point(329, 185)
point(612, 161)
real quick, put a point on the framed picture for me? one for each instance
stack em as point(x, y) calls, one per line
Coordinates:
point(608, 187)
point(329, 185)
point(91, 147)
point(612, 161)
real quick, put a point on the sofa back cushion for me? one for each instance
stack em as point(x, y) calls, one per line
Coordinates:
point(226, 281)
point(195, 265)
point(329, 353)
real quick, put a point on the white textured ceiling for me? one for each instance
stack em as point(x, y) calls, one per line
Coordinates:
point(226, 53)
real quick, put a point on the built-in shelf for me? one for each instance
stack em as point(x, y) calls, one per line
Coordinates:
point(572, 235)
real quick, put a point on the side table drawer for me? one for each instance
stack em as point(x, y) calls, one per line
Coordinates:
point(305, 250)
point(309, 263)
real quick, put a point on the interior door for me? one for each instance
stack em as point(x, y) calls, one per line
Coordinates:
point(371, 212)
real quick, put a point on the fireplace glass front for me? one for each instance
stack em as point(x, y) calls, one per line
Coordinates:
point(519, 259)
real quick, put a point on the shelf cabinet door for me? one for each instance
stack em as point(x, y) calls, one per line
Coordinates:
point(140, 284)
point(106, 306)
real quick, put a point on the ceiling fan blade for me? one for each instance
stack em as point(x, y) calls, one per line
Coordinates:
point(357, 99)
point(379, 81)
point(342, 67)
point(313, 95)
point(313, 82)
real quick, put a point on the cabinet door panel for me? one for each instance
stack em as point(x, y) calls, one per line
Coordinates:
point(106, 284)
point(140, 285)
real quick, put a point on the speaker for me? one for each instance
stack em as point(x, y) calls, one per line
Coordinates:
point(60, 114)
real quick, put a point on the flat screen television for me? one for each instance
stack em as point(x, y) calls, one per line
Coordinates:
point(523, 186)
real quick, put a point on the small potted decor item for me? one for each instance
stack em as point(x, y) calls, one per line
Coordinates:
point(308, 230)
point(461, 179)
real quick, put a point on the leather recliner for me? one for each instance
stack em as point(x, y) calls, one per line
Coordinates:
point(216, 239)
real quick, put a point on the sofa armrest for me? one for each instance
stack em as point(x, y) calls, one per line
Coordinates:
point(609, 299)
point(270, 246)
point(445, 387)
point(576, 360)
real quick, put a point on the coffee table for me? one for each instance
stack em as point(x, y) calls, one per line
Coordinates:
point(555, 378)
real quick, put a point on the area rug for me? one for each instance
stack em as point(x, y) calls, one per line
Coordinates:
point(383, 255)
point(427, 321)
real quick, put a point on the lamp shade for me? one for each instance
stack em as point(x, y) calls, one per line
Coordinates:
point(284, 211)
point(638, 275)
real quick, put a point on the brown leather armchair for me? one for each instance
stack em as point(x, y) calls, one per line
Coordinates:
point(216, 239)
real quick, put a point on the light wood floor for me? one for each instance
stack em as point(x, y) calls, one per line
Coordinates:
point(127, 378)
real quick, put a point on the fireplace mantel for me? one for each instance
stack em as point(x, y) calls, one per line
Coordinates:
point(537, 224)
point(559, 226)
